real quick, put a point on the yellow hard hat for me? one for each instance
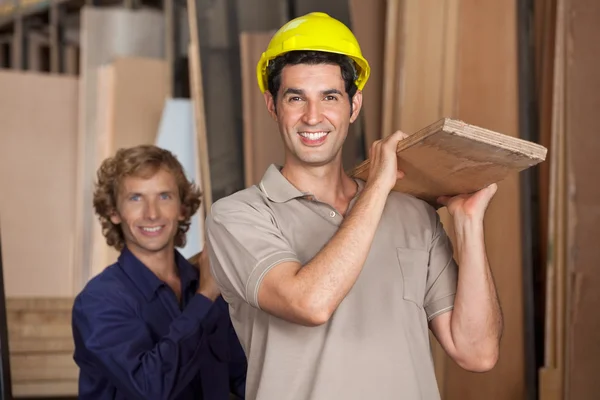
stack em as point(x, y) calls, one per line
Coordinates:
point(316, 31)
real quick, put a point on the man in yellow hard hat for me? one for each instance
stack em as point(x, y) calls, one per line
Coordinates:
point(333, 282)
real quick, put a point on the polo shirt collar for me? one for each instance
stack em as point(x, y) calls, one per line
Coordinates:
point(147, 281)
point(276, 187)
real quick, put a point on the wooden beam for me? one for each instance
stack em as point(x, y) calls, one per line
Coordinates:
point(56, 43)
point(18, 45)
point(170, 44)
point(197, 91)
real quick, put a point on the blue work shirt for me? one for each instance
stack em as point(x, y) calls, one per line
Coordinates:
point(133, 341)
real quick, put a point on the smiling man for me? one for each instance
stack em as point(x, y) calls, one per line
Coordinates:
point(333, 282)
point(151, 326)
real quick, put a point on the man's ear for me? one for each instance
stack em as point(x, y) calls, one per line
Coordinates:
point(115, 218)
point(356, 105)
point(271, 106)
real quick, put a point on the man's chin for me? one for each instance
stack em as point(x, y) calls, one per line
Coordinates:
point(148, 246)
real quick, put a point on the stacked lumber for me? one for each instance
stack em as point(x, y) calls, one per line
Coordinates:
point(41, 347)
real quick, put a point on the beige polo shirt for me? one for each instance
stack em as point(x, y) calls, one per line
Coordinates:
point(376, 344)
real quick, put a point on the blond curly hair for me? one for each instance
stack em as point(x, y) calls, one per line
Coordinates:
point(140, 161)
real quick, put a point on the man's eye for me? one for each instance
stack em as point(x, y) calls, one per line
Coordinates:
point(330, 98)
point(135, 197)
point(295, 98)
point(165, 196)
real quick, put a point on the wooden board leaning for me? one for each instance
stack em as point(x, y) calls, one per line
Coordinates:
point(450, 157)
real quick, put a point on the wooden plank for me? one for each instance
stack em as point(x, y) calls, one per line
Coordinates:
point(450, 157)
point(106, 33)
point(554, 360)
point(582, 197)
point(262, 142)
point(38, 304)
point(56, 388)
point(197, 91)
point(56, 44)
point(170, 44)
point(368, 24)
point(43, 367)
point(38, 146)
point(545, 16)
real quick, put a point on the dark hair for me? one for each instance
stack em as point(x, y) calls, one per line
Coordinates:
point(346, 64)
point(140, 161)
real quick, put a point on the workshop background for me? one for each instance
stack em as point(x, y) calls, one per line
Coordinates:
point(80, 79)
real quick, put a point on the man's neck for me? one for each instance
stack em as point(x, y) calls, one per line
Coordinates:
point(328, 183)
point(161, 263)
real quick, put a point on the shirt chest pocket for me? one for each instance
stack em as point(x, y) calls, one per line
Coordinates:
point(413, 265)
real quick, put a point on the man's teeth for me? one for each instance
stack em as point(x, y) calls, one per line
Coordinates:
point(313, 135)
point(155, 229)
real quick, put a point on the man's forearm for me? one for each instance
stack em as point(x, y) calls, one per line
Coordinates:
point(477, 319)
point(330, 275)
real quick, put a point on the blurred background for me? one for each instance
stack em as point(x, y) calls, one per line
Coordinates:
point(80, 79)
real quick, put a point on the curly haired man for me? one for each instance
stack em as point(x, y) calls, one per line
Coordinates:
point(151, 326)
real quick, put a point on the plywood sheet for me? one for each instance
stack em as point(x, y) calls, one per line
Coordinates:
point(38, 148)
point(451, 157)
point(262, 141)
point(130, 96)
point(583, 224)
point(487, 96)
point(106, 33)
point(425, 27)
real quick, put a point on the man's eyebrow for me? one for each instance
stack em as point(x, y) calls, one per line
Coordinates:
point(301, 92)
point(331, 91)
point(293, 91)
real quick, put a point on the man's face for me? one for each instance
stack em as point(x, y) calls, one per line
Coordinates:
point(149, 210)
point(313, 113)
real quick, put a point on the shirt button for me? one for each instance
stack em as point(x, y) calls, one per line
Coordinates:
point(332, 214)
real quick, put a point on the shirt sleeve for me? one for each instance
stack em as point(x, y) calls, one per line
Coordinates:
point(244, 243)
point(442, 275)
point(117, 340)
